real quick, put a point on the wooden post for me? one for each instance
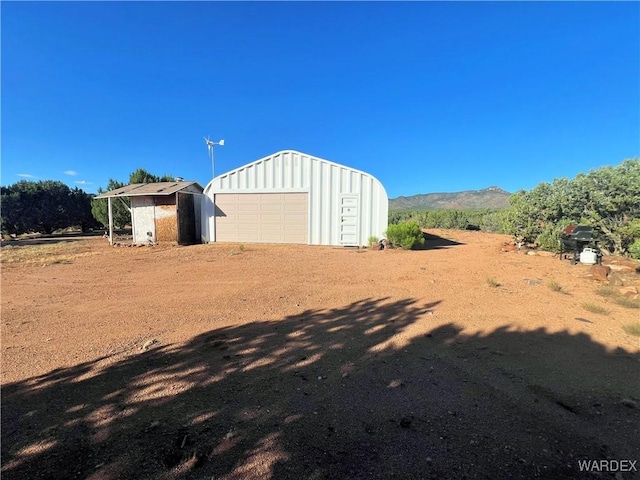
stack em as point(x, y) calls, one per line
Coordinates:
point(110, 221)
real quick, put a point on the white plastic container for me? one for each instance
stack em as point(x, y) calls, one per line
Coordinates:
point(589, 256)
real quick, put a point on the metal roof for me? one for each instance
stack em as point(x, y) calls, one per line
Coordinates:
point(140, 189)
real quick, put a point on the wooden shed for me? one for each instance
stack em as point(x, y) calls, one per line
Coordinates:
point(160, 212)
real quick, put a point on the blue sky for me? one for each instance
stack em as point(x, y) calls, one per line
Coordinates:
point(426, 96)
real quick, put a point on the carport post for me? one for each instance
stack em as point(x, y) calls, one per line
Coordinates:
point(110, 221)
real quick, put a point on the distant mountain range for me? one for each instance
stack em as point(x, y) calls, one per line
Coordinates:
point(492, 197)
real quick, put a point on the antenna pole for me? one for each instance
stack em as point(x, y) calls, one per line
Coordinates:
point(210, 146)
point(213, 171)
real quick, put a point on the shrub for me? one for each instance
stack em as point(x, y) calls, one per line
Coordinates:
point(494, 221)
point(632, 329)
point(606, 292)
point(616, 297)
point(555, 286)
point(372, 239)
point(626, 302)
point(634, 249)
point(594, 308)
point(405, 234)
point(549, 238)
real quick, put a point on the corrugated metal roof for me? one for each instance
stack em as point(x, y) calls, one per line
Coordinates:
point(139, 189)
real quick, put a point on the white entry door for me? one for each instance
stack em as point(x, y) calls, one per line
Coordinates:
point(349, 220)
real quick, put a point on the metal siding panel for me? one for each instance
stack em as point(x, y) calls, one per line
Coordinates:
point(347, 181)
point(307, 178)
point(284, 165)
point(292, 171)
point(277, 172)
point(259, 174)
point(346, 187)
point(304, 171)
point(283, 172)
point(273, 169)
point(207, 219)
point(269, 174)
point(284, 161)
point(242, 179)
point(326, 211)
point(361, 226)
point(367, 209)
point(315, 195)
point(331, 203)
point(319, 204)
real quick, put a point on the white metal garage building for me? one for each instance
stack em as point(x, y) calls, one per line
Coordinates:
point(292, 197)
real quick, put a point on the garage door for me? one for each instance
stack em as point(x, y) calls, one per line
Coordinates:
point(262, 217)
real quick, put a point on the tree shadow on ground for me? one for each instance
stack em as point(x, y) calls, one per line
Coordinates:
point(435, 242)
point(53, 238)
point(336, 393)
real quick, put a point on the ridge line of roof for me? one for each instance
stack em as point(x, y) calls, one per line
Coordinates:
point(134, 189)
point(330, 162)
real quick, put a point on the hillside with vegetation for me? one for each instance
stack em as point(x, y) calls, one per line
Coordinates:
point(607, 199)
point(488, 198)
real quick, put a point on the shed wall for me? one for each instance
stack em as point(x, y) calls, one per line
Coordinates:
point(143, 219)
point(158, 215)
point(326, 183)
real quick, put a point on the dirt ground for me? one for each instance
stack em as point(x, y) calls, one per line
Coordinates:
point(295, 362)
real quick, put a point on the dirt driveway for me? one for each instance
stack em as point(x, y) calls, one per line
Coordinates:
point(294, 362)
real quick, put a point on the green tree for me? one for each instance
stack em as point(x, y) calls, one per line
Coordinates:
point(607, 199)
point(120, 206)
point(81, 210)
point(43, 206)
point(143, 176)
point(14, 209)
point(488, 220)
